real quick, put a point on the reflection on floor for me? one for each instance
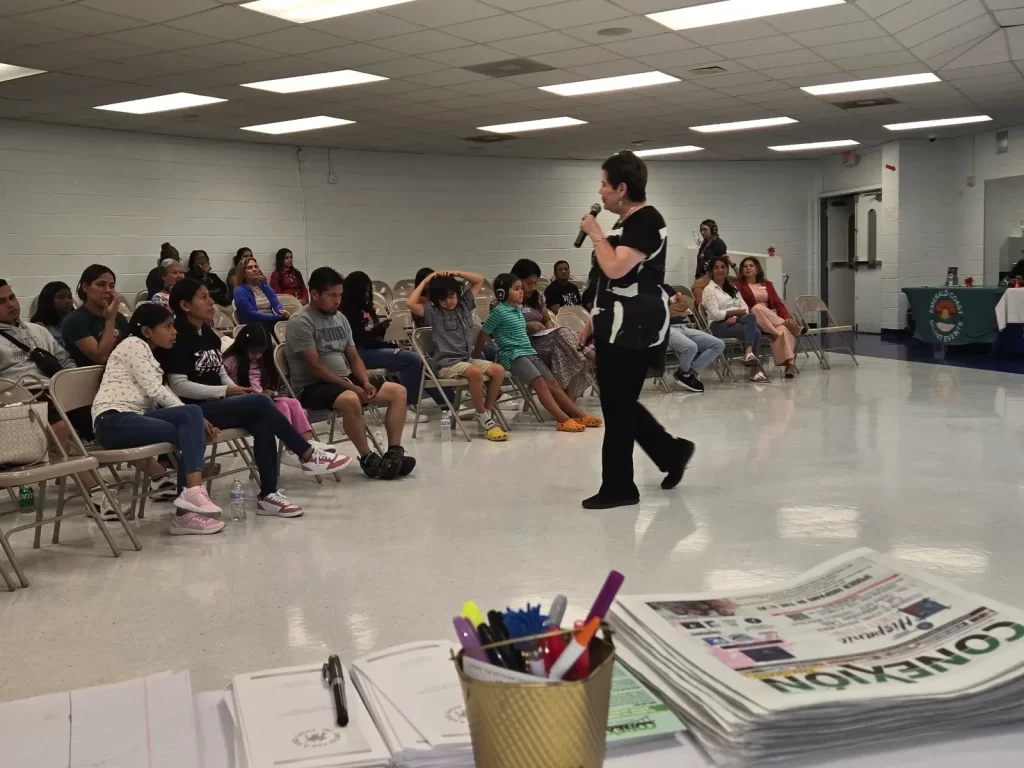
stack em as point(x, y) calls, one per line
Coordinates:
point(898, 346)
point(919, 461)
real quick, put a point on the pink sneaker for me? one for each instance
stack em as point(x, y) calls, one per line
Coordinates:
point(194, 524)
point(277, 505)
point(322, 463)
point(197, 500)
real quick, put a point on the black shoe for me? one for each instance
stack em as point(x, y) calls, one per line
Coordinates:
point(406, 463)
point(675, 476)
point(380, 467)
point(597, 501)
point(689, 381)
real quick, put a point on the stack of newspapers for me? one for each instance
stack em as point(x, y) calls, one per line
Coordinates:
point(859, 651)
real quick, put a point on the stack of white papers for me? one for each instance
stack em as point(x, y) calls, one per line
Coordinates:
point(149, 722)
point(414, 696)
point(859, 651)
point(286, 717)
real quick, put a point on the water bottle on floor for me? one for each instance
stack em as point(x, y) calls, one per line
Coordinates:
point(446, 426)
point(237, 498)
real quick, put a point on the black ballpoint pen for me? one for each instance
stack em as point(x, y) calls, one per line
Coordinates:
point(335, 678)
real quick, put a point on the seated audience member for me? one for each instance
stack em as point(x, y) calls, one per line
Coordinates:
point(249, 362)
point(698, 287)
point(170, 274)
point(241, 253)
point(562, 293)
point(54, 305)
point(772, 316)
point(17, 339)
point(255, 301)
point(450, 315)
point(507, 326)
point(368, 336)
point(199, 270)
point(696, 350)
point(93, 330)
point(134, 407)
point(558, 348)
point(327, 373)
point(286, 278)
point(154, 283)
point(195, 371)
point(729, 318)
point(420, 321)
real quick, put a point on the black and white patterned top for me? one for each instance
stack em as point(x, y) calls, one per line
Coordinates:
point(632, 311)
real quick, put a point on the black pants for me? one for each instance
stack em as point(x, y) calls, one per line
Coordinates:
point(620, 375)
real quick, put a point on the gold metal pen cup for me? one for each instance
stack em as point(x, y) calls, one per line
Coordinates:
point(545, 724)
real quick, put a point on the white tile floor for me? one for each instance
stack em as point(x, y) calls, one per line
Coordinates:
point(917, 460)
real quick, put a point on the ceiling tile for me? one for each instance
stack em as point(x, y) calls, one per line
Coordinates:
point(295, 40)
point(162, 38)
point(855, 63)
point(438, 13)
point(494, 28)
point(722, 34)
point(352, 56)
point(468, 56)
point(1015, 37)
point(577, 57)
point(971, 32)
point(424, 41)
point(936, 55)
point(571, 12)
point(533, 45)
point(233, 53)
point(26, 33)
point(872, 47)
point(48, 60)
point(151, 11)
point(800, 71)
point(168, 62)
point(446, 77)
point(913, 12)
point(103, 48)
point(648, 46)
point(767, 46)
point(404, 67)
point(519, 5)
point(957, 18)
point(78, 18)
point(1011, 18)
point(993, 50)
point(364, 26)
point(485, 87)
point(11, 7)
point(694, 57)
point(963, 73)
point(229, 23)
point(817, 18)
point(786, 59)
point(47, 84)
point(846, 33)
point(638, 26)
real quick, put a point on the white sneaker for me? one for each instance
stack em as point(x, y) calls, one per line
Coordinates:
point(321, 463)
point(277, 505)
point(106, 509)
point(197, 500)
point(410, 417)
point(163, 488)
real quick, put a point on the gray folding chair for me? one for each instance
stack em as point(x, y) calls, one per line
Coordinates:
point(406, 284)
point(141, 296)
point(480, 314)
point(59, 465)
point(76, 388)
point(379, 286)
point(291, 304)
point(723, 363)
point(381, 305)
point(826, 328)
point(402, 292)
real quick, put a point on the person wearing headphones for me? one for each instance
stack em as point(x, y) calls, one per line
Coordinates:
point(711, 247)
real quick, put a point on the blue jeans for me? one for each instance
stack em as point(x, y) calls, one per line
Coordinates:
point(258, 415)
point(183, 426)
point(406, 365)
point(696, 349)
point(745, 329)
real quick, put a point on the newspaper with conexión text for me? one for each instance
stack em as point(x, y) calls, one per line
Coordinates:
point(861, 642)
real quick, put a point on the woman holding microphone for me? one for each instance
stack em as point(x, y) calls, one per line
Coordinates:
point(629, 324)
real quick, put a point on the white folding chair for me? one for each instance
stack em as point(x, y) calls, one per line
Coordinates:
point(280, 328)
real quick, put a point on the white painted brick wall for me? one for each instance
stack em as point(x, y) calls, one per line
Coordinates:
point(73, 196)
point(837, 177)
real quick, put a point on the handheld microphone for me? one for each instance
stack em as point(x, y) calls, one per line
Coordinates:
point(594, 210)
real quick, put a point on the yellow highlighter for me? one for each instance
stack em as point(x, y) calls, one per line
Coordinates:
point(472, 612)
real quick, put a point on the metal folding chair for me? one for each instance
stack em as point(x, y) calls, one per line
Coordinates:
point(480, 314)
point(141, 296)
point(379, 286)
point(827, 327)
point(402, 292)
point(381, 305)
point(404, 284)
point(291, 304)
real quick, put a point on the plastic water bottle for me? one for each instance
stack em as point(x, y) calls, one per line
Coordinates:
point(379, 437)
point(446, 426)
point(237, 497)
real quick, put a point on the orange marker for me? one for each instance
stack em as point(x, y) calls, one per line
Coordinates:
point(575, 649)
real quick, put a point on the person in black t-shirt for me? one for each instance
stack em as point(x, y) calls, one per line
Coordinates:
point(629, 323)
point(711, 247)
point(562, 293)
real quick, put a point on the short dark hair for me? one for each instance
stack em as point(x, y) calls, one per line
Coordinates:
point(91, 273)
point(147, 316)
point(626, 168)
point(440, 287)
point(526, 268)
point(757, 266)
point(560, 261)
point(183, 290)
point(503, 284)
point(3, 283)
point(168, 251)
point(46, 312)
point(423, 274)
point(322, 278)
point(194, 257)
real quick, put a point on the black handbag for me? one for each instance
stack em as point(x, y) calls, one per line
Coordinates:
point(45, 361)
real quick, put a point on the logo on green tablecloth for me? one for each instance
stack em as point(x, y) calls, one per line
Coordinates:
point(946, 316)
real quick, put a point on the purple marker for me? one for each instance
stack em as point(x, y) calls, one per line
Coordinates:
point(606, 596)
point(469, 638)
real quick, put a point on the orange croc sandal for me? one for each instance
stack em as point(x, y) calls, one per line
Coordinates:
point(570, 426)
point(590, 421)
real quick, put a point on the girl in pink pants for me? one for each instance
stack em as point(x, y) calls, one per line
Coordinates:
point(249, 364)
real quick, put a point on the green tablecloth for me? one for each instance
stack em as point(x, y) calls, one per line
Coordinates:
point(949, 316)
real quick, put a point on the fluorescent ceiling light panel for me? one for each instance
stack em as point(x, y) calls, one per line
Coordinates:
point(161, 103)
point(302, 124)
point(318, 82)
point(744, 125)
point(938, 123)
point(815, 145)
point(304, 11)
point(604, 84)
point(668, 151)
point(11, 72)
point(733, 10)
point(874, 84)
point(532, 125)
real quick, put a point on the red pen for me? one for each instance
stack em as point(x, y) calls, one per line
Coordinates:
point(551, 648)
point(581, 669)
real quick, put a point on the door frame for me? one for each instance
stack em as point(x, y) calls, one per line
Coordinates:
point(822, 223)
